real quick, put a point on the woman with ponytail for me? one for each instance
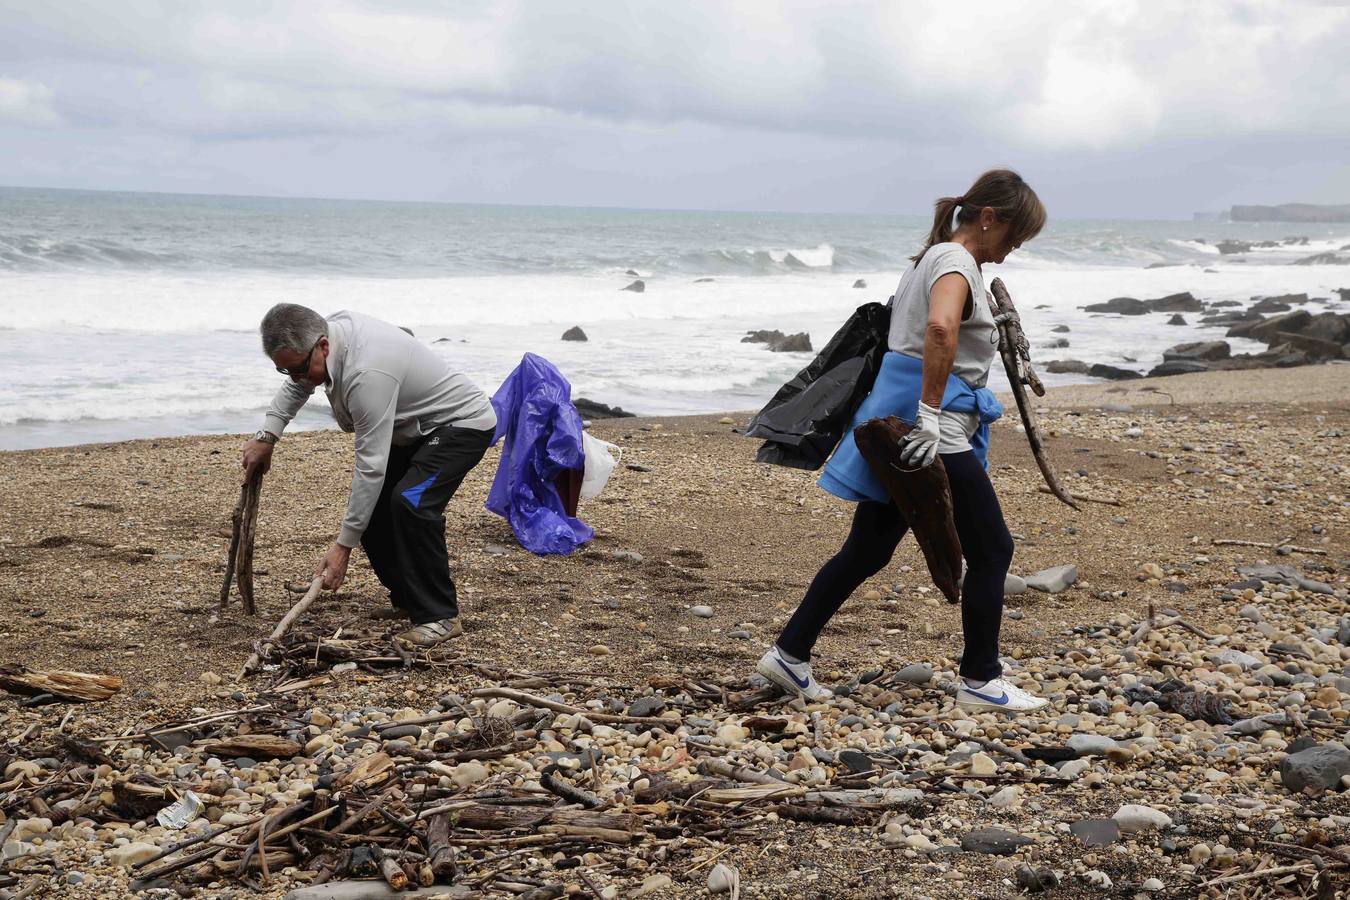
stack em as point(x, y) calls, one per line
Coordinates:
point(942, 342)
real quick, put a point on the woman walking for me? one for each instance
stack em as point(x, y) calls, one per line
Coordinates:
point(942, 341)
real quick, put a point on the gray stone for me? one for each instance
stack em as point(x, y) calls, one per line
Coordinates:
point(1053, 580)
point(1096, 832)
point(1090, 744)
point(739, 634)
point(855, 761)
point(1251, 612)
point(401, 731)
point(647, 706)
point(917, 673)
point(574, 334)
point(1013, 585)
point(636, 287)
point(1286, 575)
point(1238, 658)
point(1320, 768)
point(703, 612)
point(997, 841)
point(1124, 306)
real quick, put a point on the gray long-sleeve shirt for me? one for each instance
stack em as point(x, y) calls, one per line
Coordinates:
point(388, 388)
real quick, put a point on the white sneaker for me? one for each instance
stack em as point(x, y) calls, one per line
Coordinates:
point(795, 678)
point(999, 695)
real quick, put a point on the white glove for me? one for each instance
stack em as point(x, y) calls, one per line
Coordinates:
point(920, 446)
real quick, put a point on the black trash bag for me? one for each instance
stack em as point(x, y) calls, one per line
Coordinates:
point(809, 415)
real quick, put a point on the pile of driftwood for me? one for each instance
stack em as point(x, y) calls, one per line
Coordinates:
point(391, 814)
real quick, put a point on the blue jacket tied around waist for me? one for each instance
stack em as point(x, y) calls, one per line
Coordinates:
point(896, 393)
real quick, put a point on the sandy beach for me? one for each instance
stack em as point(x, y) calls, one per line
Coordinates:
point(111, 559)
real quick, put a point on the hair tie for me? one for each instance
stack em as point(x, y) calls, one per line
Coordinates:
point(961, 201)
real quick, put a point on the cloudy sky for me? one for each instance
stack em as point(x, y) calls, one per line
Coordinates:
point(1109, 107)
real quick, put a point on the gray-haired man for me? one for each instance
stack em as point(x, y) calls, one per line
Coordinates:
point(420, 427)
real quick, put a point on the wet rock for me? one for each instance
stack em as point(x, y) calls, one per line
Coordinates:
point(860, 283)
point(574, 334)
point(1112, 373)
point(1123, 306)
point(590, 409)
point(993, 840)
point(1319, 768)
point(636, 287)
point(1066, 367)
point(1096, 832)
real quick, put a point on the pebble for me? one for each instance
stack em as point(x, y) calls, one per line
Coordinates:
point(1135, 817)
point(703, 612)
point(130, 854)
point(1054, 580)
point(599, 650)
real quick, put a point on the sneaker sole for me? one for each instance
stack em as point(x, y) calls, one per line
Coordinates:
point(777, 677)
point(994, 707)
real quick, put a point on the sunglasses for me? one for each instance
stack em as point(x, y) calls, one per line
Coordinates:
point(301, 370)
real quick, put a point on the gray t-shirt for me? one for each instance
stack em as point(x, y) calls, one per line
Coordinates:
point(976, 342)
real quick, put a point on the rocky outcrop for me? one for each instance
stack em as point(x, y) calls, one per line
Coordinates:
point(1176, 303)
point(779, 342)
point(1067, 367)
point(1111, 373)
point(589, 409)
point(636, 287)
point(1282, 303)
point(860, 283)
point(1122, 306)
point(574, 334)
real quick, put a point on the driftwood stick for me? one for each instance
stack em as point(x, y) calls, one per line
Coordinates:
point(236, 523)
point(1232, 542)
point(1014, 350)
point(724, 769)
point(996, 747)
point(1107, 501)
point(1263, 873)
point(283, 626)
point(439, 849)
point(248, 531)
point(593, 715)
point(569, 792)
point(393, 873)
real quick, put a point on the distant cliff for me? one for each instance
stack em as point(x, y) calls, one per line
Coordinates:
point(1291, 212)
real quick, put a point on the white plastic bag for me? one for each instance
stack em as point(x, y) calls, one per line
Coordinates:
point(600, 464)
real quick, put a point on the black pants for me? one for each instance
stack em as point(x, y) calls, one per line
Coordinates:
point(405, 540)
point(877, 529)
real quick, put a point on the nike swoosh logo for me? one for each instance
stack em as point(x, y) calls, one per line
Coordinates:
point(1001, 700)
point(799, 682)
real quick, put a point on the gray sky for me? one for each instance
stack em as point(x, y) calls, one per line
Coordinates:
point(1108, 107)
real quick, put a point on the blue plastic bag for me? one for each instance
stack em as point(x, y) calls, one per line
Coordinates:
point(543, 438)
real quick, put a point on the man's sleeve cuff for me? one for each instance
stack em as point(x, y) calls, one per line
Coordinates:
point(274, 424)
point(349, 537)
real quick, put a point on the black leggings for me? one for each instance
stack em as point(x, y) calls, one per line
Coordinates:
point(877, 529)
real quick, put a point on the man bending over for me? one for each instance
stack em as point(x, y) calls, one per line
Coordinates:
point(420, 427)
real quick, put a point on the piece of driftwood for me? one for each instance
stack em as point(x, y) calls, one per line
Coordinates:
point(923, 496)
point(243, 531)
point(72, 687)
point(594, 715)
point(1233, 542)
point(441, 854)
point(254, 746)
point(283, 626)
point(1015, 351)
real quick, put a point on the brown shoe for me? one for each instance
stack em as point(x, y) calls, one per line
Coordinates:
point(429, 634)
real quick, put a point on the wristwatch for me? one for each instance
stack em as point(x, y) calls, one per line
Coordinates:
point(265, 436)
